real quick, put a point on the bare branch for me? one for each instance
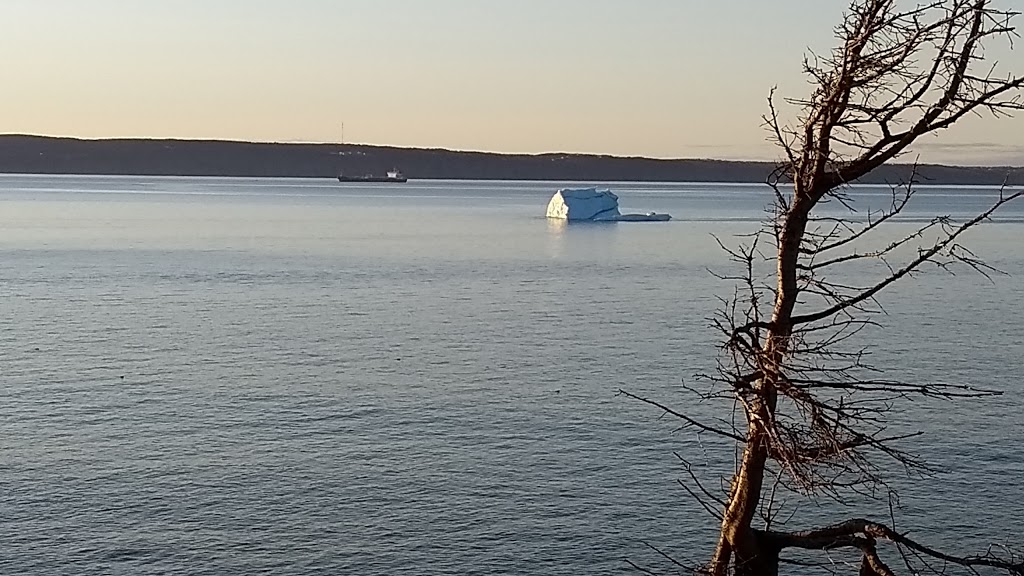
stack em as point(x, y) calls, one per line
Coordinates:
point(845, 534)
point(685, 418)
point(924, 256)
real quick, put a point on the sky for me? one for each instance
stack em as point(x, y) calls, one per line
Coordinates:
point(661, 78)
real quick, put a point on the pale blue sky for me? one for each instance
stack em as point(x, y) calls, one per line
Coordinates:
point(667, 78)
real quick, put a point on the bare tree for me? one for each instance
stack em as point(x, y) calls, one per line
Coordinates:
point(813, 412)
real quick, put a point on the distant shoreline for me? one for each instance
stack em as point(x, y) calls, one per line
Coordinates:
point(414, 181)
point(27, 154)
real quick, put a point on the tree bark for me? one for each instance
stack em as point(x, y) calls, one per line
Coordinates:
point(750, 554)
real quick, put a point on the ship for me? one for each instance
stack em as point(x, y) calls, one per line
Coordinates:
point(391, 176)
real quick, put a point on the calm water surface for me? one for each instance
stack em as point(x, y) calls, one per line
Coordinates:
point(271, 376)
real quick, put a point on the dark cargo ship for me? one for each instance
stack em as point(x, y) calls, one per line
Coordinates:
point(392, 176)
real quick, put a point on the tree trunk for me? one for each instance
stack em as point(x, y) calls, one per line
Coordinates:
point(751, 555)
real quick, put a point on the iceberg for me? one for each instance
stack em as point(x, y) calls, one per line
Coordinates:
point(593, 205)
point(584, 204)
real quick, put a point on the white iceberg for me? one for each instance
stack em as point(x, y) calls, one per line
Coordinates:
point(584, 204)
point(593, 205)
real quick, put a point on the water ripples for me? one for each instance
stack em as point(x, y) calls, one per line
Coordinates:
point(429, 407)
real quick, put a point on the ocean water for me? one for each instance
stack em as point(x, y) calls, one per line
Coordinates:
point(274, 376)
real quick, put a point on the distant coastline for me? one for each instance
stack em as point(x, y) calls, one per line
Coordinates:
point(27, 154)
